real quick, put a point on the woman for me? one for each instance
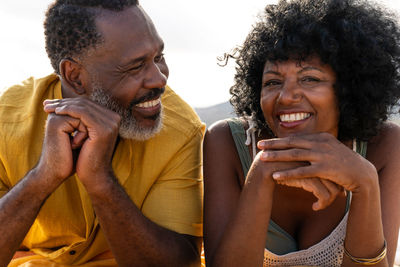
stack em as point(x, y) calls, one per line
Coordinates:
point(315, 82)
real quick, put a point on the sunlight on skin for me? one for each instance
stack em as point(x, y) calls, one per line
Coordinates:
point(23, 54)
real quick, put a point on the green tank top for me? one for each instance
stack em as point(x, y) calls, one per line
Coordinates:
point(278, 240)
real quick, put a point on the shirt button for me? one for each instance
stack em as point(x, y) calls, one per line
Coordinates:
point(72, 252)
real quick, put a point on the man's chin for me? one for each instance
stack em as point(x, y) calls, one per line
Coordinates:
point(150, 121)
point(142, 130)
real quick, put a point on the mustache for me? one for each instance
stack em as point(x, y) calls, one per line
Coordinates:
point(154, 93)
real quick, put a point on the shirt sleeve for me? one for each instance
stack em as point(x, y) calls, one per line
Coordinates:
point(3, 187)
point(175, 201)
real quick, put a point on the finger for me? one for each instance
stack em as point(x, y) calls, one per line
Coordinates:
point(283, 143)
point(300, 141)
point(291, 182)
point(49, 105)
point(58, 105)
point(315, 186)
point(61, 123)
point(298, 172)
point(333, 188)
point(79, 136)
point(49, 101)
point(294, 154)
point(88, 112)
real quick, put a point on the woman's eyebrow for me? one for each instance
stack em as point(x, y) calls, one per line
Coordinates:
point(310, 68)
point(271, 72)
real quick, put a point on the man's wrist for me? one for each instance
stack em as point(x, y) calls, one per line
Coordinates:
point(99, 182)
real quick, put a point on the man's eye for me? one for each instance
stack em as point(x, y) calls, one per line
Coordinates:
point(159, 58)
point(137, 67)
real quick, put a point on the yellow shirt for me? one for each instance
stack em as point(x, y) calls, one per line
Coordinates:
point(161, 175)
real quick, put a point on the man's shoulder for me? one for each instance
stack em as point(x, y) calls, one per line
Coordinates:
point(180, 116)
point(22, 100)
point(27, 90)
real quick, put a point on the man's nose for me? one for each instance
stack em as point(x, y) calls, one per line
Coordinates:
point(156, 76)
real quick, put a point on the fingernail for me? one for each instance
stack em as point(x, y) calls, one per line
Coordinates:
point(276, 175)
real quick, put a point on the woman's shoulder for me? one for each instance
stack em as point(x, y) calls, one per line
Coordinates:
point(218, 132)
point(220, 148)
point(223, 126)
point(385, 147)
point(222, 130)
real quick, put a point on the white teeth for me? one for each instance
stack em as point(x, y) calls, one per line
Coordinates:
point(149, 104)
point(294, 117)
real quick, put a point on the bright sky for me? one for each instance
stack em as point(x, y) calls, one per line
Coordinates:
point(195, 34)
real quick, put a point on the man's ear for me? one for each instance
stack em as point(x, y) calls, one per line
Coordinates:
point(72, 76)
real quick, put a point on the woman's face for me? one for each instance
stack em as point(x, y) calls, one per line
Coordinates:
point(299, 98)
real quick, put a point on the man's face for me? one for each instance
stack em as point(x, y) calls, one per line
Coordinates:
point(128, 72)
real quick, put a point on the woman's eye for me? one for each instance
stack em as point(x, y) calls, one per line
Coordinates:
point(309, 79)
point(272, 83)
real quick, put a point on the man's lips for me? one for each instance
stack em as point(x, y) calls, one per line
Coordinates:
point(148, 109)
point(149, 104)
point(152, 95)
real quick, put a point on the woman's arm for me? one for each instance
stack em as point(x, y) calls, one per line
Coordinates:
point(384, 153)
point(235, 220)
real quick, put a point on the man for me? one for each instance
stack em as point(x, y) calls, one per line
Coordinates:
point(100, 163)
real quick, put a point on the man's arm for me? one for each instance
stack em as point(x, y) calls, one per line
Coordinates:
point(20, 206)
point(133, 238)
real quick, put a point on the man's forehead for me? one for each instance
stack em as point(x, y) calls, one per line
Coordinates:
point(134, 15)
point(127, 35)
point(131, 24)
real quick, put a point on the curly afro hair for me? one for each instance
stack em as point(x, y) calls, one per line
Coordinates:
point(70, 28)
point(358, 39)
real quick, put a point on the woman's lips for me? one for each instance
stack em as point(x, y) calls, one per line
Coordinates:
point(290, 120)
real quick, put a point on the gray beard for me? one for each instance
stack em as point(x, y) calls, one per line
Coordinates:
point(129, 127)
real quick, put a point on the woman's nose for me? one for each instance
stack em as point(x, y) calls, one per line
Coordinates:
point(290, 93)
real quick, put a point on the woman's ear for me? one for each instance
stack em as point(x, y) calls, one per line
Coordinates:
point(71, 73)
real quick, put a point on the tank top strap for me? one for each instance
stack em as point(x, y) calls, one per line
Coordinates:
point(239, 136)
point(361, 148)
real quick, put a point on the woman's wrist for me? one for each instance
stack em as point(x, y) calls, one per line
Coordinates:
point(367, 185)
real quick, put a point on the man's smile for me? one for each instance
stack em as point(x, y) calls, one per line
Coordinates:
point(149, 104)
